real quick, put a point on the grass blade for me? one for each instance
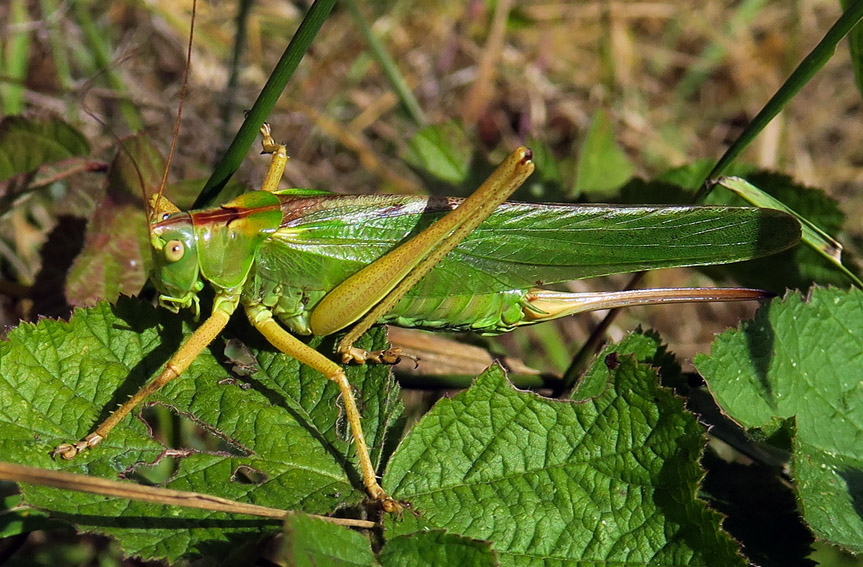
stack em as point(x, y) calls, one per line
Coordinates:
point(811, 234)
point(271, 92)
point(810, 65)
point(16, 58)
point(855, 46)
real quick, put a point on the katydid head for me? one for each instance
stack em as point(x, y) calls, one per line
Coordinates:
point(175, 273)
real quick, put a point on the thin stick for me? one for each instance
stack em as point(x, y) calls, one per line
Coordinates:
point(131, 491)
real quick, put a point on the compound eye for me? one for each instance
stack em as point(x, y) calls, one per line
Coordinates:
point(174, 251)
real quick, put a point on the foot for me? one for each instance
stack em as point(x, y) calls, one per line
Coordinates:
point(69, 451)
point(268, 143)
point(387, 503)
point(361, 356)
point(390, 506)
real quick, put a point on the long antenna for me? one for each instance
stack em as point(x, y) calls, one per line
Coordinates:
point(183, 89)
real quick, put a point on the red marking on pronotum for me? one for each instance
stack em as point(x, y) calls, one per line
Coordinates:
point(226, 215)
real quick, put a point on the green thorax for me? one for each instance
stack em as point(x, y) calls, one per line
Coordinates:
point(218, 245)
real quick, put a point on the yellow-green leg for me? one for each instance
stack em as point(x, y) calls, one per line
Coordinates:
point(181, 360)
point(262, 319)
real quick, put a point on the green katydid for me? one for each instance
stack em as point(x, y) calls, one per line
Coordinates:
point(319, 263)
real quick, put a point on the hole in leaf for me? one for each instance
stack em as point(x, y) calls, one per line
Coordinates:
point(183, 433)
point(243, 362)
point(245, 474)
point(154, 474)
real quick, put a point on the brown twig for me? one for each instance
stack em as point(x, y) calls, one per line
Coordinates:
point(131, 491)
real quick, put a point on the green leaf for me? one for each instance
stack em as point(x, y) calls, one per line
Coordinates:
point(606, 479)
point(442, 150)
point(800, 359)
point(602, 166)
point(57, 380)
point(821, 242)
point(311, 542)
point(20, 519)
point(437, 548)
point(26, 144)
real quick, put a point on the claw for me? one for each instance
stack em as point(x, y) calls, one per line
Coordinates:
point(387, 503)
point(69, 451)
point(361, 356)
point(65, 450)
point(390, 506)
point(388, 356)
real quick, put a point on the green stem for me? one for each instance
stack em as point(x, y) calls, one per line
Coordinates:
point(271, 92)
point(16, 58)
point(810, 65)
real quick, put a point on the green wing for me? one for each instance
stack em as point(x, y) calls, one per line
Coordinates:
point(323, 239)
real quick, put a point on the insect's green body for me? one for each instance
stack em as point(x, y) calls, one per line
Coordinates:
point(286, 251)
point(318, 263)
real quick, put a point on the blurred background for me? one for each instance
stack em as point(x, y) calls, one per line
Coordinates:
point(647, 86)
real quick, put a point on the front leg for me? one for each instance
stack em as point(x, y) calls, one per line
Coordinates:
point(178, 363)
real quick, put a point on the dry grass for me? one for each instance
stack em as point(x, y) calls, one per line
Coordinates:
point(557, 63)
